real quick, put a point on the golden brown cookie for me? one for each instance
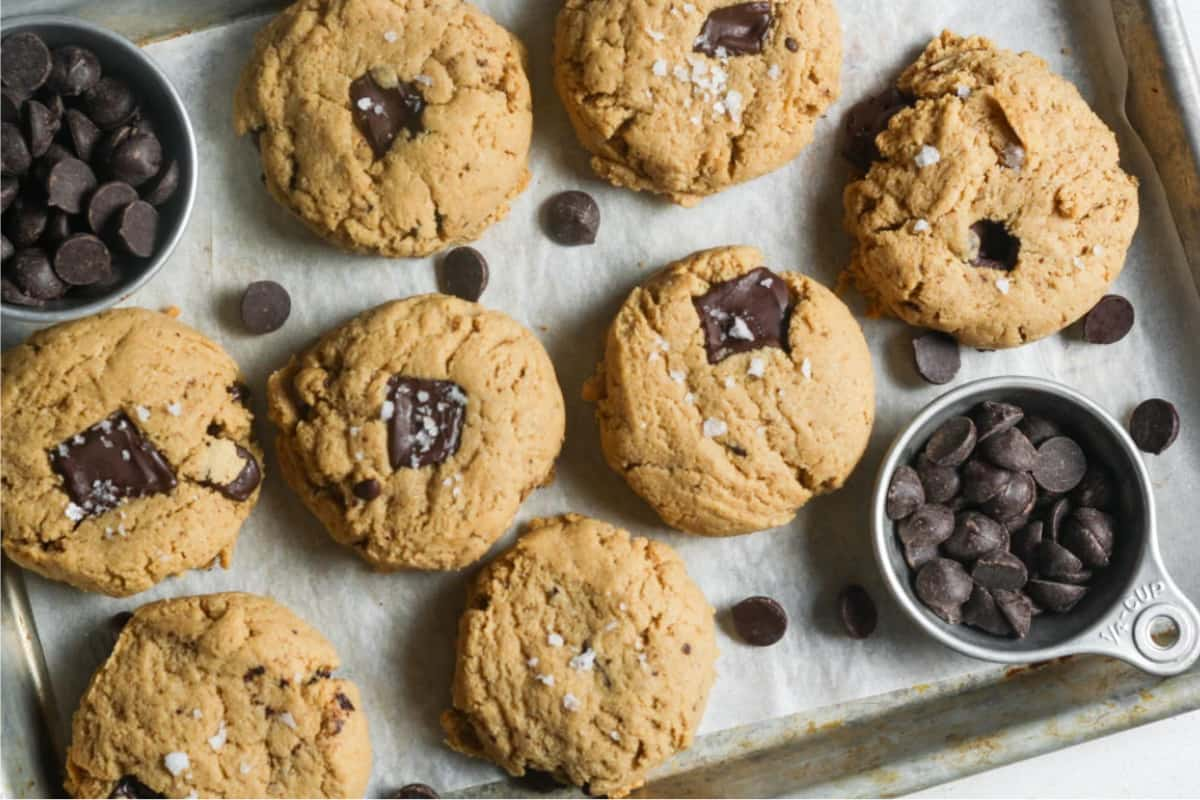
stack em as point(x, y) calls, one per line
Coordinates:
point(584, 652)
point(686, 98)
point(394, 127)
point(415, 430)
point(127, 452)
point(997, 210)
point(220, 695)
point(730, 395)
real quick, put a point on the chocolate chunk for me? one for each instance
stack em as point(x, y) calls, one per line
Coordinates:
point(760, 621)
point(367, 489)
point(1015, 499)
point(1054, 560)
point(136, 228)
point(865, 121)
point(858, 612)
point(941, 484)
point(381, 113)
point(130, 787)
point(974, 535)
point(1017, 610)
point(991, 418)
point(1025, 543)
point(1037, 429)
point(905, 493)
point(981, 611)
point(1011, 450)
point(791, 44)
point(735, 30)
point(26, 223)
point(107, 463)
point(425, 421)
point(1095, 490)
point(73, 70)
point(571, 218)
point(943, 586)
point(136, 159)
point(952, 442)
point(415, 790)
point(13, 294)
point(997, 248)
point(1000, 569)
point(937, 357)
point(68, 183)
point(8, 191)
point(1154, 425)
point(109, 103)
point(58, 228)
point(14, 153)
point(82, 260)
point(108, 199)
point(246, 481)
point(41, 125)
point(743, 314)
point(24, 62)
point(32, 273)
point(162, 187)
point(1053, 596)
point(265, 307)
point(1061, 465)
point(1088, 534)
point(463, 273)
point(1109, 320)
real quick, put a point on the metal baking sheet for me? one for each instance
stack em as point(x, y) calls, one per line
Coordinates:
point(817, 715)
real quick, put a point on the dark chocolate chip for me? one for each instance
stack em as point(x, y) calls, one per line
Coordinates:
point(84, 133)
point(1054, 560)
point(14, 295)
point(265, 307)
point(904, 494)
point(980, 611)
point(9, 186)
point(109, 103)
point(1025, 544)
point(991, 418)
point(54, 154)
point(58, 228)
point(941, 484)
point(791, 44)
point(1109, 320)
point(858, 612)
point(1095, 490)
point(32, 273)
point(1154, 425)
point(928, 525)
point(1053, 596)
point(1038, 429)
point(108, 199)
point(247, 479)
point(107, 144)
point(997, 248)
point(11, 102)
point(1011, 450)
point(734, 30)
point(130, 787)
point(24, 62)
point(136, 159)
point(108, 463)
point(539, 781)
point(415, 790)
point(1017, 609)
point(41, 126)
point(937, 357)
point(7, 250)
point(1056, 516)
point(1014, 523)
point(118, 621)
point(463, 273)
point(952, 442)
point(974, 534)
point(136, 228)
point(381, 113)
point(865, 121)
point(14, 153)
point(1014, 500)
point(367, 489)
point(68, 183)
point(83, 260)
point(73, 70)
point(1000, 569)
point(162, 187)
point(26, 223)
point(1089, 534)
point(571, 218)
point(919, 552)
point(944, 586)
point(760, 621)
point(745, 313)
point(426, 421)
point(1061, 465)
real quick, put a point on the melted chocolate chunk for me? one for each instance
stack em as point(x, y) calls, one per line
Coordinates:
point(110, 462)
point(866, 120)
point(998, 249)
point(745, 313)
point(381, 113)
point(736, 30)
point(425, 421)
point(129, 786)
point(242, 486)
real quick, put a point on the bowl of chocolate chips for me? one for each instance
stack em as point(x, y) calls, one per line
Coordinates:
point(97, 168)
point(1013, 520)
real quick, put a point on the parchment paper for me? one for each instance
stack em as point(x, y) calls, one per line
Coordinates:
point(396, 632)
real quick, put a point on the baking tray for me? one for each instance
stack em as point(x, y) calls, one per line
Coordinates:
point(888, 744)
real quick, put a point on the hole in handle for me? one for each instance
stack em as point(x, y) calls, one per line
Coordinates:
point(1163, 632)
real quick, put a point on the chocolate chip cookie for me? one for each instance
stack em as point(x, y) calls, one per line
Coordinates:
point(584, 653)
point(415, 430)
point(387, 127)
point(221, 695)
point(686, 98)
point(731, 394)
point(127, 452)
point(997, 210)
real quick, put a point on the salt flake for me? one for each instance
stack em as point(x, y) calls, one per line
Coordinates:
point(174, 409)
point(962, 91)
point(921, 226)
point(390, 36)
point(927, 156)
point(773, 72)
point(74, 512)
point(554, 640)
point(740, 330)
point(387, 410)
point(584, 661)
point(655, 35)
point(143, 414)
point(714, 427)
point(1003, 285)
point(757, 368)
point(659, 67)
point(546, 680)
point(176, 762)
point(287, 719)
point(805, 370)
point(217, 740)
point(571, 702)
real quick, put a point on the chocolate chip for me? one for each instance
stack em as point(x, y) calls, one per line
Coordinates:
point(991, 418)
point(1038, 429)
point(1014, 500)
point(734, 30)
point(1053, 596)
point(108, 199)
point(980, 611)
point(1095, 490)
point(26, 223)
point(426, 421)
point(136, 228)
point(974, 534)
point(136, 159)
point(1011, 450)
point(905, 493)
point(952, 442)
point(73, 70)
point(981, 480)
point(415, 790)
point(941, 484)
point(41, 125)
point(8, 191)
point(539, 781)
point(82, 260)
point(109, 103)
point(1056, 516)
point(14, 153)
point(1017, 610)
point(791, 44)
point(1089, 534)
point(937, 357)
point(1025, 543)
point(944, 586)
point(865, 121)
point(130, 787)
point(108, 463)
point(162, 187)
point(571, 218)
point(107, 145)
point(760, 621)
point(367, 489)
point(743, 314)
point(24, 62)
point(11, 102)
point(247, 479)
point(1154, 425)
point(380, 113)
point(922, 531)
point(997, 248)
point(32, 272)
point(254, 672)
point(463, 273)
point(68, 182)
point(1000, 569)
point(1054, 560)
point(58, 228)
point(858, 612)
point(118, 621)
point(265, 307)
point(12, 294)
point(1109, 320)
point(1061, 465)
point(7, 250)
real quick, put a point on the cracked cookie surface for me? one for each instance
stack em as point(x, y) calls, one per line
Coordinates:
point(442, 185)
point(584, 652)
point(487, 418)
point(996, 155)
point(221, 695)
point(84, 399)
point(659, 115)
point(738, 445)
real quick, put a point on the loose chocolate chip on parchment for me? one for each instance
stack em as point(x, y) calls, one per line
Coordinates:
point(734, 30)
point(937, 356)
point(571, 218)
point(463, 272)
point(82, 260)
point(381, 113)
point(905, 494)
point(1109, 320)
point(745, 313)
point(265, 306)
point(24, 62)
point(1154, 425)
point(858, 612)
point(760, 621)
point(994, 247)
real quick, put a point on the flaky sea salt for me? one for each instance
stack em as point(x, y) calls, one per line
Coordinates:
point(1098, 249)
point(533, 661)
point(390, 36)
point(689, 398)
point(217, 740)
point(805, 370)
point(554, 640)
point(659, 67)
point(244, 768)
point(773, 72)
point(175, 409)
point(655, 35)
point(1003, 285)
point(757, 368)
point(364, 103)
point(714, 427)
point(143, 413)
point(571, 702)
point(584, 661)
point(614, 735)
point(733, 102)
point(547, 680)
point(678, 375)
point(740, 330)
point(1014, 156)
point(176, 762)
point(927, 156)
point(962, 91)
point(424, 80)
point(1078, 262)
point(387, 410)
point(74, 512)
point(197, 713)
point(921, 226)
point(287, 719)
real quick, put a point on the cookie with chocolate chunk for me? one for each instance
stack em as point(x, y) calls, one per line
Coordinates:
point(731, 394)
point(415, 430)
point(127, 452)
point(220, 695)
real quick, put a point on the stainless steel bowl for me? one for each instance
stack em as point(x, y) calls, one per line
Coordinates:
point(1134, 611)
point(122, 58)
